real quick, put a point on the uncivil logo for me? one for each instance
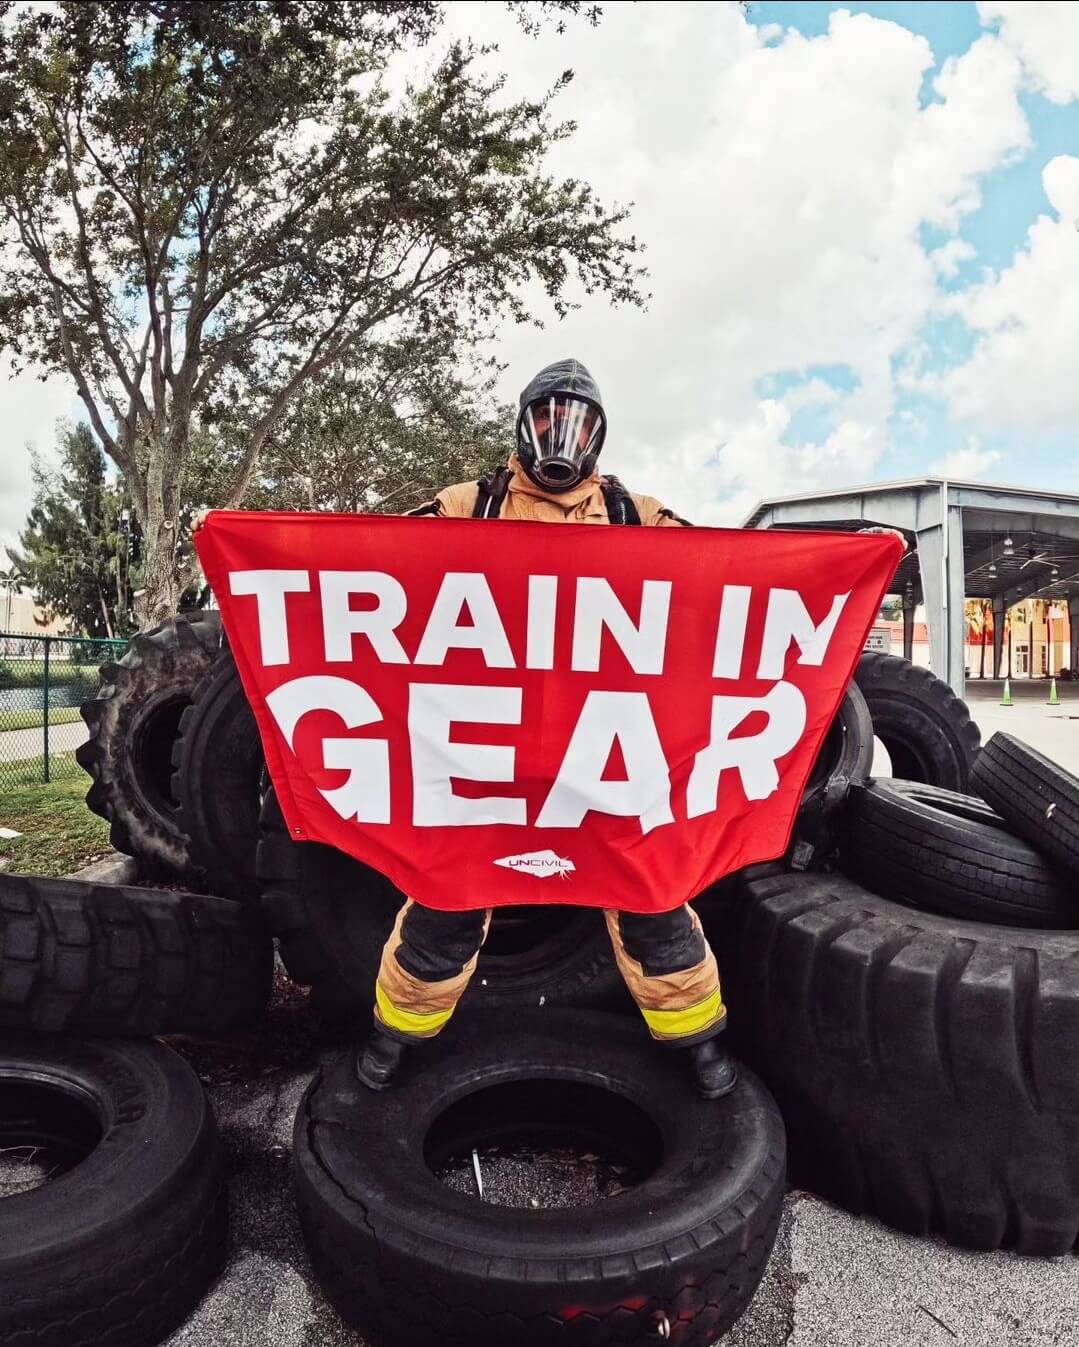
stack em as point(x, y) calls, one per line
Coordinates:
point(542, 864)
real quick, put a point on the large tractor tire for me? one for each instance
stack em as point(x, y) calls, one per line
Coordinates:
point(845, 760)
point(677, 1254)
point(133, 722)
point(106, 959)
point(927, 1068)
point(927, 730)
point(217, 773)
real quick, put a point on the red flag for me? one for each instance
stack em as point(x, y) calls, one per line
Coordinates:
point(495, 712)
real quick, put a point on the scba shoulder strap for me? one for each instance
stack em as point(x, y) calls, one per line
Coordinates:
point(620, 506)
point(491, 492)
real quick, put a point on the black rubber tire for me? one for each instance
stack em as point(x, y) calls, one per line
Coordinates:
point(133, 722)
point(946, 852)
point(106, 959)
point(927, 1068)
point(119, 1249)
point(217, 766)
point(412, 1264)
point(926, 728)
point(332, 915)
point(1039, 799)
point(845, 759)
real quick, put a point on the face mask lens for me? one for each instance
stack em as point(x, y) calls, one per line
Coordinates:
point(561, 432)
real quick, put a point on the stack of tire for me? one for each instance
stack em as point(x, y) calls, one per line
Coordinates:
point(914, 1007)
point(902, 1038)
point(113, 1222)
point(178, 771)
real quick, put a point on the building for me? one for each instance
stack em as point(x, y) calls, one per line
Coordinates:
point(20, 613)
point(1014, 549)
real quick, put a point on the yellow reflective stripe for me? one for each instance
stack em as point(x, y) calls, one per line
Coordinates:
point(683, 1023)
point(409, 1021)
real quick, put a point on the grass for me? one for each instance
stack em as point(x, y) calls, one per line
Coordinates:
point(59, 832)
point(30, 717)
point(31, 673)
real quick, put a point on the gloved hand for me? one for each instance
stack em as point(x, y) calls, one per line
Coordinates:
point(879, 528)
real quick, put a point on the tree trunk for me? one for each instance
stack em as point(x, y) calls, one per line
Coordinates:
point(105, 614)
point(162, 582)
point(164, 579)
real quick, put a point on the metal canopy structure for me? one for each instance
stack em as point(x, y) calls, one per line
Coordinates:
point(1001, 543)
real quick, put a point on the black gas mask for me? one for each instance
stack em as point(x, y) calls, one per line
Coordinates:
point(561, 427)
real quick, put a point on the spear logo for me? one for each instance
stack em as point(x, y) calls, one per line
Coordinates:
point(542, 864)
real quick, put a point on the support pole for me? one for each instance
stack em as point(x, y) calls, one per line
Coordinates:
point(45, 708)
point(908, 628)
point(1073, 632)
point(999, 614)
point(940, 560)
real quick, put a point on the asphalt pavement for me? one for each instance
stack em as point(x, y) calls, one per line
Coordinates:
point(1052, 730)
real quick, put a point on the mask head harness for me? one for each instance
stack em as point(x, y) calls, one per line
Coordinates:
point(561, 427)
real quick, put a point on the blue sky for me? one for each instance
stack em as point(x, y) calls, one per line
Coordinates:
point(950, 28)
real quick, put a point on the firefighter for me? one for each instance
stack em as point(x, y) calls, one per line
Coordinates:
point(431, 955)
point(665, 959)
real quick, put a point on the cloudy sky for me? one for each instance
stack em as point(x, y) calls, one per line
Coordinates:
point(862, 225)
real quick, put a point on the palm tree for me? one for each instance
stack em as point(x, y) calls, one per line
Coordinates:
point(987, 613)
point(10, 587)
point(976, 612)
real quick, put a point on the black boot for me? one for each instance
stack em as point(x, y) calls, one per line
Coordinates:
point(377, 1061)
point(714, 1069)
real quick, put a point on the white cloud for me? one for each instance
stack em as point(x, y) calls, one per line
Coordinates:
point(1044, 34)
point(780, 190)
point(31, 410)
point(813, 392)
point(914, 422)
point(976, 127)
point(948, 258)
point(1023, 370)
point(964, 464)
point(754, 461)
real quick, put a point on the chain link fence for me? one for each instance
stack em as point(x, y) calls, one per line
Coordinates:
point(43, 682)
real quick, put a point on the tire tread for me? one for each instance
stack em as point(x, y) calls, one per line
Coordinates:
point(127, 961)
point(985, 1148)
point(905, 843)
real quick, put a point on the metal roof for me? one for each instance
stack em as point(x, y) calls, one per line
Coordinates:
point(1043, 528)
point(992, 492)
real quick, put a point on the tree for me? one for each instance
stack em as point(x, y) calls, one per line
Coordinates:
point(379, 436)
point(75, 551)
point(208, 205)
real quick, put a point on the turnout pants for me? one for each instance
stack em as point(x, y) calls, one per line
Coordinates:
point(666, 962)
